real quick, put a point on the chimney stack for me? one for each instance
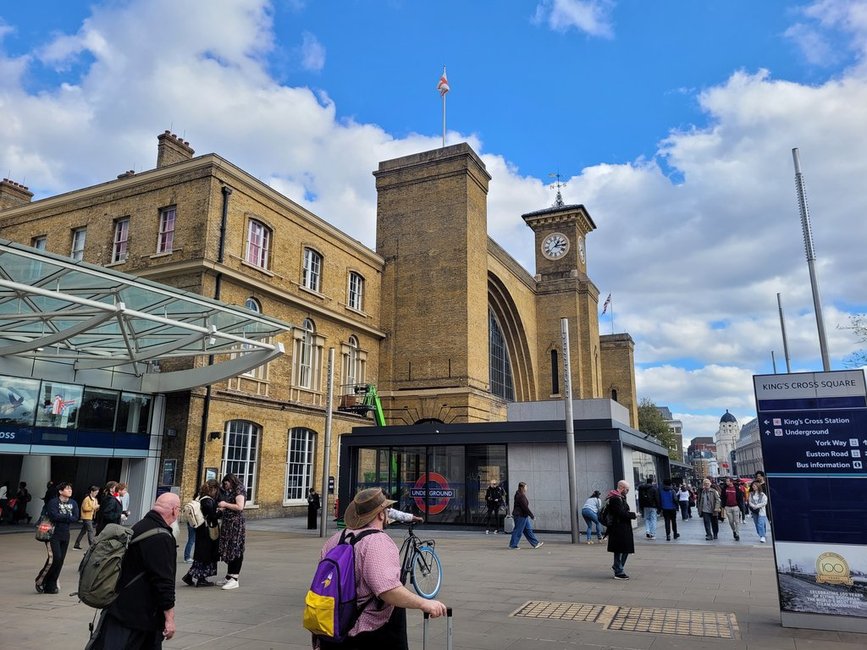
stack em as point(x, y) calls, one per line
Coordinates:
point(172, 149)
point(13, 195)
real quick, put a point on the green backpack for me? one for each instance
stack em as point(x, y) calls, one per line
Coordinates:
point(99, 570)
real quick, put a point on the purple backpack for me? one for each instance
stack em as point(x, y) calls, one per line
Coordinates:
point(331, 607)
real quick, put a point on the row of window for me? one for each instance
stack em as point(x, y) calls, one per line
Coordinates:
point(45, 403)
point(257, 252)
point(308, 354)
point(241, 457)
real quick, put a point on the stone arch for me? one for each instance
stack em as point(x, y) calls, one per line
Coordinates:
point(504, 308)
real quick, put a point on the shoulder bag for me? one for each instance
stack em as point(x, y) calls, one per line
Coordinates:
point(44, 529)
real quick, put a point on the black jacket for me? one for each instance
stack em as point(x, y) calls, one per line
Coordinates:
point(648, 496)
point(495, 497)
point(62, 514)
point(109, 511)
point(620, 530)
point(140, 605)
point(522, 506)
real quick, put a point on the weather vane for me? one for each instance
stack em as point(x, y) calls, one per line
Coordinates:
point(558, 202)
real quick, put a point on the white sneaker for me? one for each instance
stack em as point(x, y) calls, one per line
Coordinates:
point(762, 540)
point(538, 545)
point(487, 532)
point(231, 583)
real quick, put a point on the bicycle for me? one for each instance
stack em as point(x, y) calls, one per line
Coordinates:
point(421, 563)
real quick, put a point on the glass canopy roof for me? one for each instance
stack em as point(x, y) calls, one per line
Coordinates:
point(56, 309)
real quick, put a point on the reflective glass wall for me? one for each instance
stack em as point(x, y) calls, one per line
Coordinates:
point(443, 484)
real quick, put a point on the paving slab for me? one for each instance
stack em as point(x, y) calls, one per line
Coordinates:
point(484, 583)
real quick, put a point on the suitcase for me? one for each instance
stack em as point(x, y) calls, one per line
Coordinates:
point(448, 629)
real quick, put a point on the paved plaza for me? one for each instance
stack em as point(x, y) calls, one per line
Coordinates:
point(687, 593)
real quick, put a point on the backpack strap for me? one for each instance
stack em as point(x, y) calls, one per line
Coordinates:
point(148, 533)
point(353, 538)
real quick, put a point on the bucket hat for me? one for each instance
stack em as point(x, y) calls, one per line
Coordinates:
point(365, 506)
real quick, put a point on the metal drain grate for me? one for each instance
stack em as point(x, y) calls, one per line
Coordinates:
point(562, 611)
point(637, 619)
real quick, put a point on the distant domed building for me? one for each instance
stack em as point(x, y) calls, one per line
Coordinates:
point(726, 438)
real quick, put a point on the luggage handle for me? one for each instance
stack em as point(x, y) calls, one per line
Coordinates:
point(449, 629)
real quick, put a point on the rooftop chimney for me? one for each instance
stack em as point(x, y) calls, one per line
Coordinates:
point(13, 195)
point(172, 149)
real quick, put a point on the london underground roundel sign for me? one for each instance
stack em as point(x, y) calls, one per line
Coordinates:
point(436, 487)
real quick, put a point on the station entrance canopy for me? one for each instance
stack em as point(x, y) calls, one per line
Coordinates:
point(63, 318)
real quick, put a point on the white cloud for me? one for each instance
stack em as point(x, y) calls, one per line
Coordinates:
point(590, 16)
point(312, 53)
point(693, 243)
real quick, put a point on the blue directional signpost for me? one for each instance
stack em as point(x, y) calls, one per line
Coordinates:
point(814, 449)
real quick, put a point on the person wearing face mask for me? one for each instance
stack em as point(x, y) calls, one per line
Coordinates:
point(143, 614)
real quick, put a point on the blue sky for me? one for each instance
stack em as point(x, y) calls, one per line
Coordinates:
point(673, 123)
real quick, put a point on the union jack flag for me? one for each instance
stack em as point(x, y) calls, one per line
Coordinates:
point(605, 304)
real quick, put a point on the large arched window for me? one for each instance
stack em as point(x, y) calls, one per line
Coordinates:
point(498, 358)
point(299, 465)
point(241, 453)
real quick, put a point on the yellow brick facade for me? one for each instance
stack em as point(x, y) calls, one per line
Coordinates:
point(421, 332)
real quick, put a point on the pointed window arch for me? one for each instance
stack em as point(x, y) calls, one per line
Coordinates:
point(500, 367)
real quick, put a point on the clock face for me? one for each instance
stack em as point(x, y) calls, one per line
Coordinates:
point(581, 249)
point(555, 246)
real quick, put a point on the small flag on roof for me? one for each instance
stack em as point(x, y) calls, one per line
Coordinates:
point(443, 85)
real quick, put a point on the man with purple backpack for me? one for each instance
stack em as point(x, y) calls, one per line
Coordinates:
point(381, 599)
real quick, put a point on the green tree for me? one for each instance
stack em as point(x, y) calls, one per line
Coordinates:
point(858, 324)
point(650, 421)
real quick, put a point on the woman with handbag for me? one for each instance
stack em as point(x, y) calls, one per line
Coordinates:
point(206, 551)
point(60, 511)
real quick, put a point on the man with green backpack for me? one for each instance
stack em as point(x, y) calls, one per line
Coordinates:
point(141, 613)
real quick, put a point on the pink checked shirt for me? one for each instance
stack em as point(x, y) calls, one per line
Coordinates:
point(377, 570)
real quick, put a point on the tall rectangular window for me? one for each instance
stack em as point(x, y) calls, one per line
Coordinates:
point(312, 270)
point(299, 463)
point(258, 244)
point(356, 291)
point(120, 248)
point(166, 239)
point(240, 453)
point(79, 235)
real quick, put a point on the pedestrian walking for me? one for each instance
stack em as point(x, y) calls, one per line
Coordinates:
point(62, 510)
point(143, 614)
point(377, 571)
point(495, 497)
point(109, 507)
point(207, 536)
point(89, 507)
point(709, 508)
point(522, 514)
point(590, 512)
point(668, 501)
point(683, 498)
point(758, 503)
point(648, 501)
point(733, 504)
point(620, 541)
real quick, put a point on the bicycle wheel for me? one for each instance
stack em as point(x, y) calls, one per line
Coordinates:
point(426, 572)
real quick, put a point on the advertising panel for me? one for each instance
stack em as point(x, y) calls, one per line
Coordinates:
point(813, 429)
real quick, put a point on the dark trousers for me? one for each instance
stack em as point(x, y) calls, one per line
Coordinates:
point(619, 563)
point(47, 577)
point(493, 515)
point(111, 635)
point(86, 528)
point(391, 636)
point(670, 517)
point(711, 523)
point(311, 517)
point(235, 566)
point(685, 510)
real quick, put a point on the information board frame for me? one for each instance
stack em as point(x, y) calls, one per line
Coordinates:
point(813, 431)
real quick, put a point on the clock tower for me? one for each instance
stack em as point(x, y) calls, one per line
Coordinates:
point(563, 289)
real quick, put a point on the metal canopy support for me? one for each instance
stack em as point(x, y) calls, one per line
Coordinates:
point(96, 319)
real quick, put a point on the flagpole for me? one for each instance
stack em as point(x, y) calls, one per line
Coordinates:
point(612, 315)
point(444, 119)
